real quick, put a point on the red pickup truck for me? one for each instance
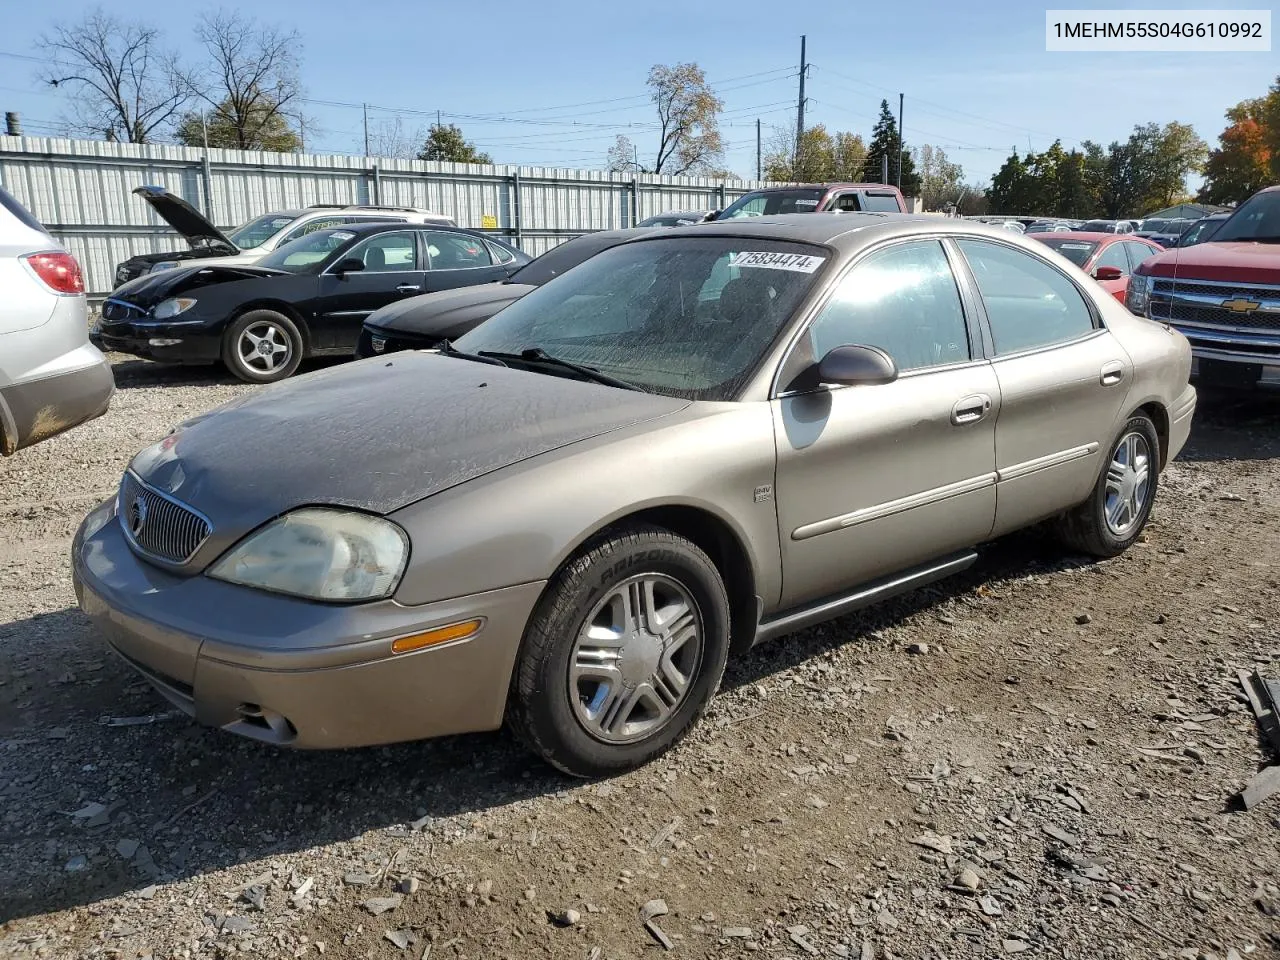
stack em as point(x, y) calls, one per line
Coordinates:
point(1223, 296)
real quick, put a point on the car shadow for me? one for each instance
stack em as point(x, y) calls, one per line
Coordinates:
point(1234, 425)
point(131, 373)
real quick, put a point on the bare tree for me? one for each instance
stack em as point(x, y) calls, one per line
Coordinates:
point(622, 157)
point(126, 86)
point(252, 75)
point(391, 138)
point(688, 126)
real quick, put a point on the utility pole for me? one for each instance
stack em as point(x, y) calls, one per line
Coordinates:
point(366, 129)
point(437, 118)
point(204, 129)
point(900, 99)
point(804, 68)
point(758, 177)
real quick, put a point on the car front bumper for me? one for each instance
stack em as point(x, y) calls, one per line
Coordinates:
point(377, 341)
point(185, 342)
point(294, 672)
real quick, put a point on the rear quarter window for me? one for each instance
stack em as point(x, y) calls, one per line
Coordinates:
point(881, 203)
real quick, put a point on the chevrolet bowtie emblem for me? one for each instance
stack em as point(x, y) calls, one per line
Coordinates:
point(1240, 305)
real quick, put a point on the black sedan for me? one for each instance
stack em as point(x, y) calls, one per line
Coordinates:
point(420, 323)
point(308, 298)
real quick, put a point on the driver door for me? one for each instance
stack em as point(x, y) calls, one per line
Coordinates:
point(872, 480)
point(392, 271)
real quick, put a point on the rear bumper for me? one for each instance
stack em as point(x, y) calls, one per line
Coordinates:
point(1180, 417)
point(293, 672)
point(34, 410)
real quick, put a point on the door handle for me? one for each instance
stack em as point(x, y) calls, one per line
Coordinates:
point(1112, 373)
point(407, 288)
point(970, 409)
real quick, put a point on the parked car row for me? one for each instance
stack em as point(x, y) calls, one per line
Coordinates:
point(691, 441)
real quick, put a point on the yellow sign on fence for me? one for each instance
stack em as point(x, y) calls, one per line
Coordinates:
point(489, 222)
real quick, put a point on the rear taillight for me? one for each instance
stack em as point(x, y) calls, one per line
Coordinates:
point(58, 271)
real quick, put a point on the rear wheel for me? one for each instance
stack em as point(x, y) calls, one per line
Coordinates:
point(262, 346)
point(1113, 517)
point(623, 653)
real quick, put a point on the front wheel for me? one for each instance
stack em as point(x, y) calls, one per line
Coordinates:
point(262, 346)
point(1110, 521)
point(623, 653)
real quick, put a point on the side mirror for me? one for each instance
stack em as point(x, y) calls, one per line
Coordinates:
point(852, 365)
point(1108, 273)
point(349, 265)
point(711, 216)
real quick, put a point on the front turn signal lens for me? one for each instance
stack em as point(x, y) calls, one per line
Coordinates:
point(439, 635)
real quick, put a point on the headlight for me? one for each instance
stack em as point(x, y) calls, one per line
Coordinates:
point(320, 554)
point(172, 307)
point(163, 265)
point(1138, 294)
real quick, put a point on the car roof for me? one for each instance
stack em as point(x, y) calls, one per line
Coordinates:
point(1091, 235)
point(828, 186)
point(379, 226)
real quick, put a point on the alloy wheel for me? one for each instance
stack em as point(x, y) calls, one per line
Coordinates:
point(264, 347)
point(1128, 484)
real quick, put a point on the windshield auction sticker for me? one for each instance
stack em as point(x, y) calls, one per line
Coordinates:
point(1178, 31)
point(795, 262)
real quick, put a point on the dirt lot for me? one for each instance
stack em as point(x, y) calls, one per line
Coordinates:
point(1038, 756)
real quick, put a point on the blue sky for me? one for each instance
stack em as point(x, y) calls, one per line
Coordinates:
point(976, 76)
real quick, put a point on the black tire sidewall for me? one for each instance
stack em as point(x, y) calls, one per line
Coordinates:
point(547, 713)
point(231, 353)
point(1098, 506)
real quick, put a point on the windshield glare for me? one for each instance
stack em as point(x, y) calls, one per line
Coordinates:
point(257, 232)
point(773, 202)
point(307, 252)
point(685, 317)
point(1077, 251)
point(1257, 219)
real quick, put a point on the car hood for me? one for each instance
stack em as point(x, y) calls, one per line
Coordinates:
point(376, 435)
point(1242, 262)
point(186, 219)
point(438, 313)
point(150, 288)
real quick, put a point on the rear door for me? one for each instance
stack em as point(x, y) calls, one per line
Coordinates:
point(874, 479)
point(458, 260)
point(1063, 379)
point(392, 271)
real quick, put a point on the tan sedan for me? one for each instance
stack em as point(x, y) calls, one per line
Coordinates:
point(571, 518)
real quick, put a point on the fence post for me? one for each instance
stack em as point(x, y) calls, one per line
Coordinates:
point(635, 200)
point(516, 213)
point(721, 192)
point(207, 175)
point(377, 186)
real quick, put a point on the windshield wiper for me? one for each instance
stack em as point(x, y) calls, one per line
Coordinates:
point(449, 350)
point(536, 355)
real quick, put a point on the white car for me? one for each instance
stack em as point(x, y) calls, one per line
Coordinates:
point(51, 377)
point(250, 242)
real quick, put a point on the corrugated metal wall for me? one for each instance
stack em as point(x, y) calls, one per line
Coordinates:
point(81, 190)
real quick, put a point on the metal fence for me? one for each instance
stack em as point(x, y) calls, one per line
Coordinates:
point(81, 191)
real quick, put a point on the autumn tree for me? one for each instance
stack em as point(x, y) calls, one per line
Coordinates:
point(823, 156)
point(689, 140)
point(250, 79)
point(1248, 154)
point(446, 142)
point(885, 143)
point(125, 84)
point(940, 180)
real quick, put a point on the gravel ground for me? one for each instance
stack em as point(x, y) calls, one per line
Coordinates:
point(1037, 756)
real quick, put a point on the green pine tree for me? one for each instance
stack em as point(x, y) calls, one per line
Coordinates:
point(884, 143)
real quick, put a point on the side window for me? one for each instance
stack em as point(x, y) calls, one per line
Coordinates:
point(456, 251)
point(903, 300)
point(500, 254)
point(1137, 253)
point(846, 202)
point(1029, 303)
point(311, 226)
point(388, 252)
point(1114, 256)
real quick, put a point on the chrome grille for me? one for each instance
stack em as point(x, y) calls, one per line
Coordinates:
point(1199, 303)
point(118, 311)
point(157, 525)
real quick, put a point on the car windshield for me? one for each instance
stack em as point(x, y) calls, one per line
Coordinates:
point(305, 254)
point(684, 317)
point(1077, 251)
point(257, 232)
point(880, 202)
point(772, 202)
point(564, 257)
point(1099, 226)
point(1258, 218)
point(1200, 232)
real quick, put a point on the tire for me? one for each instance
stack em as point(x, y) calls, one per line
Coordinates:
point(264, 326)
point(593, 706)
point(1087, 528)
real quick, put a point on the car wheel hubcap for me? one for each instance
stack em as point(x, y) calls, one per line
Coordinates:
point(635, 658)
point(1128, 483)
point(264, 347)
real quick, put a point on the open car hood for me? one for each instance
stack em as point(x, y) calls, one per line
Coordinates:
point(186, 219)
